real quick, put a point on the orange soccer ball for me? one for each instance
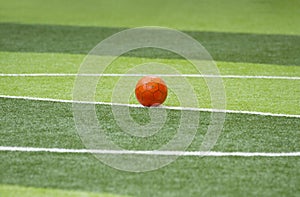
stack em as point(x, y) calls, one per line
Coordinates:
point(151, 91)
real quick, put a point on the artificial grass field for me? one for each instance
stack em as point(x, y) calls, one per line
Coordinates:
point(245, 38)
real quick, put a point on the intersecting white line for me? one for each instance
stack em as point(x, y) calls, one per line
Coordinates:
point(154, 152)
point(141, 75)
point(164, 107)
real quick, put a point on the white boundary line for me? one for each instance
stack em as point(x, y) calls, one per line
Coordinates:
point(164, 107)
point(141, 75)
point(155, 152)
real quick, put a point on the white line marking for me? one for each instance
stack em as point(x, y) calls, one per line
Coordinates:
point(141, 75)
point(164, 107)
point(154, 152)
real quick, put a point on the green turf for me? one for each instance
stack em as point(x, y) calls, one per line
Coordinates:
point(223, 46)
point(15, 191)
point(46, 124)
point(16, 62)
point(241, 94)
point(247, 37)
point(261, 16)
point(187, 176)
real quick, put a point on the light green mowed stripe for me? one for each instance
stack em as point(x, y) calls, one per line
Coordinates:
point(217, 15)
point(264, 95)
point(17, 62)
point(16, 191)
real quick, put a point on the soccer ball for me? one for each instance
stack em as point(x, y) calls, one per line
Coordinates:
point(151, 91)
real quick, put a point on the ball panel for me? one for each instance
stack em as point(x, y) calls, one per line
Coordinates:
point(151, 91)
point(158, 96)
point(152, 86)
point(157, 80)
point(147, 98)
point(163, 88)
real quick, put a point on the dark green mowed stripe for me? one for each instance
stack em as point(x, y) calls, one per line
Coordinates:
point(188, 176)
point(232, 47)
point(48, 124)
